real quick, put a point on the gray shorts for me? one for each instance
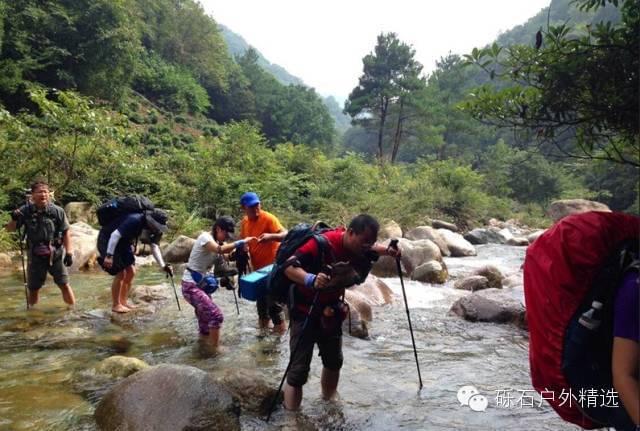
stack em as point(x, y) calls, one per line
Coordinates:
point(38, 268)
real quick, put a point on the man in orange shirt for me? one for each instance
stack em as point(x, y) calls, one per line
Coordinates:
point(267, 228)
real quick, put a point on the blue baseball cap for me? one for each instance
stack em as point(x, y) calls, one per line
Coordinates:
point(249, 199)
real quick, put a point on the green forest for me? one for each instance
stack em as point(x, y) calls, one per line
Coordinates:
point(111, 97)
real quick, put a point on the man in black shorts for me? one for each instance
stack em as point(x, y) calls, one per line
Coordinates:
point(116, 247)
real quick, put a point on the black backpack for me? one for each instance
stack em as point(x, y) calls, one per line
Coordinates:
point(117, 207)
point(278, 285)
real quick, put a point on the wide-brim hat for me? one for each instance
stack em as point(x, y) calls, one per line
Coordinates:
point(157, 220)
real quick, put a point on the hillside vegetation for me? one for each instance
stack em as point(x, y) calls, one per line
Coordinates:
point(108, 97)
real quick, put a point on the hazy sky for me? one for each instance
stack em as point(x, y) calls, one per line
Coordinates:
point(323, 42)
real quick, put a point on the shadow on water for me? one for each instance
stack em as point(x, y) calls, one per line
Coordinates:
point(45, 353)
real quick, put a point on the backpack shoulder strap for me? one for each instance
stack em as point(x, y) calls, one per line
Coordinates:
point(323, 247)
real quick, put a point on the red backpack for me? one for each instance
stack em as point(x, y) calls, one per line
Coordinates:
point(573, 264)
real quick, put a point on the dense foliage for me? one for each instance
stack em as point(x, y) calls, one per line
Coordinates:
point(575, 93)
point(569, 107)
point(140, 96)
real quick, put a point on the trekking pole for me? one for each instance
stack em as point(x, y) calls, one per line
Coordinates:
point(394, 244)
point(24, 271)
point(293, 353)
point(174, 292)
point(236, 299)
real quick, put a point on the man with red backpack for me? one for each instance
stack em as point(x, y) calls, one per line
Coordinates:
point(317, 310)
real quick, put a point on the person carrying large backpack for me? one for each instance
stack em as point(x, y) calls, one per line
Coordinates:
point(317, 309)
point(49, 247)
point(581, 294)
point(116, 246)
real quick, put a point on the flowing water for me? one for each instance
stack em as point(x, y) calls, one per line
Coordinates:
point(44, 353)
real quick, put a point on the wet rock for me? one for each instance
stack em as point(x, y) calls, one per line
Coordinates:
point(391, 229)
point(517, 241)
point(85, 251)
point(472, 283)
point(154, 293)
point(385, 266)
point(45, 337)
point(506, 234)
point(513, 280)
point(115, 343)
point(375, 291)
point(493, 275)
point(120, 366)
point(457, 244)
point(179, 250)
point(253, 392)
point(490, 305)
point(414, 254)
point(430, 272)
point(98, 313)
point(535, 235)
point(168, 397)
point(484, 236)
point(427, 232)
point(565, 207)
point(359, 305)
point(140, 313)
point(361, 299)
point(439, 224)
point(360, 314)
point(80, 212)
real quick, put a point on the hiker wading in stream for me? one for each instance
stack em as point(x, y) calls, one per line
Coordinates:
point(198, 284)
point(267, 229)
point(49, 246)
point(116, 247)
point(318, 309)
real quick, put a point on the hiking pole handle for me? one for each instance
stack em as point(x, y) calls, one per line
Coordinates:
point(406, 306)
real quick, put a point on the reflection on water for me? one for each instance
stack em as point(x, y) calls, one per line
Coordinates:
point(44, 353)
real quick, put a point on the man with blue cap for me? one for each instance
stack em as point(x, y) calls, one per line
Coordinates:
point(269, 231)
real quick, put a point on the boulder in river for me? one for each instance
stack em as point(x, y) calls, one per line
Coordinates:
point(120, 366)
point(472, 283)
point(493, 275)
point(458, 246)
point(428, 232)
point(179, 250)
point(390, 229)
point(565, 207)
point(431, 272)
point(490, 305)
point(168, 397)
point(84, 239)
point(484, 236)
point(253, 392)
point(440, 224)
